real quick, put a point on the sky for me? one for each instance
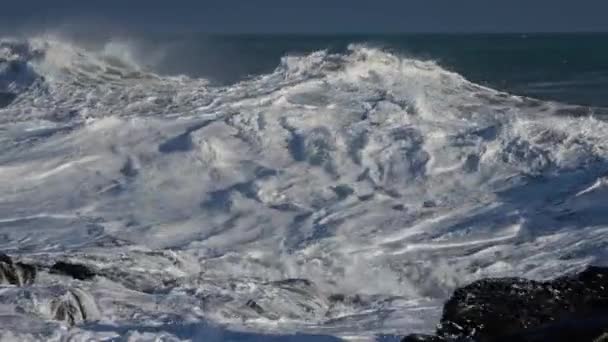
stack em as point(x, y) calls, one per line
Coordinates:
point(308, 16)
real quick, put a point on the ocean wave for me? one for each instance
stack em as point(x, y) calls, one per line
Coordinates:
point(385, 179)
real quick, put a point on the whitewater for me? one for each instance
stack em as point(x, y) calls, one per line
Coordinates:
point(342, 194)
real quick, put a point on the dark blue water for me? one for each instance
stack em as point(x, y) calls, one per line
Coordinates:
point(570, 68)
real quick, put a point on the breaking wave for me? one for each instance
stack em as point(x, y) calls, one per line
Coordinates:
point(346, 194)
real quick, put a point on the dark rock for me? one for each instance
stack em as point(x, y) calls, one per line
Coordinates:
point(429, 204)
point(18, 274)
point(129, 169)
point(255, 306)
point(180, 143)
point(75, 306)
point(422, 338)
point(6, 259)
point(337, 298)
point(367, 197)
point(27, 273)
point(569, 308)
point(343, 191)
point(398, 207)
point(65, 312)
point(76, 271)
point(342, 298)
point(293, 282)
point(564, 330)
point(8, 274)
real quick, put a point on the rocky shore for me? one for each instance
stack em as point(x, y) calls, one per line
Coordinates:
point(569, 308)
point(67, 304)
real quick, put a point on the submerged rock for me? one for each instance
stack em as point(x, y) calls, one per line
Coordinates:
point(255, 306)
point(19, 274)
point(569, 308)
point(75, 306)
point(26, 273)
point(76, 271)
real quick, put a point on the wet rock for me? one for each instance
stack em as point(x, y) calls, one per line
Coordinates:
point(76, 271)
point(129, 169)
point(569, 308)
point(337, 298)
point(75, 306)
point(26, 273)
point(339, 303)
point(422, 338)
point(6, 259)
point(429, 204)
point(65, 312)
point(180, 143)
point(255, 307)
point(587, 329)
point(343, 191)
point(398, 207)
point(341, 298)
point(6, 99)
point(294, 283)
point(19, 274)
point(8, 274)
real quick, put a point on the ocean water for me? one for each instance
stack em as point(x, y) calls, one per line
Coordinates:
point(245, 187)
point(569, 68)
